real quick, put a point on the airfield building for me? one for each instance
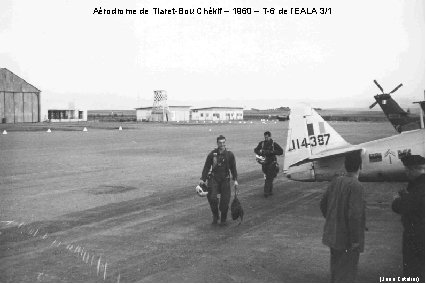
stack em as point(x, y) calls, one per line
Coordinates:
point(19, 100)
point(143, 113)
point(173, 113)
point(66, 115)
point(218, 113)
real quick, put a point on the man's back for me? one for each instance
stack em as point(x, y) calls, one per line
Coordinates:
point(343, 206)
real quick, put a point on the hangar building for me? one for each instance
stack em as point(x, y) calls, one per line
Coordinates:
point(217, 113)
point(19, 100)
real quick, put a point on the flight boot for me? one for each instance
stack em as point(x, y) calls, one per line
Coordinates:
point(215, 219)
point(215, 211)
point(223, 217)
point(268, 188)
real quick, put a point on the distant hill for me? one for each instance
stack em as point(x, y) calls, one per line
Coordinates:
point(349, 114)
point(111, 115)
point(112, 112)
point(278, 113)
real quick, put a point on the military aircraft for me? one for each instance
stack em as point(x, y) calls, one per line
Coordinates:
point(400, 119)
point(315, 151)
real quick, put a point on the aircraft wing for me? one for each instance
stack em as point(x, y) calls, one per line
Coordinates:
point(329, 153)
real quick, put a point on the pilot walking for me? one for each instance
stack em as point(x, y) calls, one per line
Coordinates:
point(268, 150)
point(343, 206)
point(219, 164)
point(410, 204)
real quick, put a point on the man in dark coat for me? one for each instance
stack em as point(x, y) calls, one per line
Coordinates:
point(216, 172)
point(268, 151)
point(343, 206)
point(410, 204)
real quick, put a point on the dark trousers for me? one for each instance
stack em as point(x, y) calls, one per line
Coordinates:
point(223, 188)
point(413, 257)
point(343, 265)
point(270, 174)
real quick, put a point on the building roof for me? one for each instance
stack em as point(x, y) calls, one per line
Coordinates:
point(63, 109)
point(10, 82)
point(150, 107)
point(224, 108)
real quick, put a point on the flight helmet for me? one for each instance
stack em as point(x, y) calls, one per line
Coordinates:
point(201, 190)
point(260, 159)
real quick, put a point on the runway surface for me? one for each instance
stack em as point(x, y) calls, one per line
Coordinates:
point(108, 208)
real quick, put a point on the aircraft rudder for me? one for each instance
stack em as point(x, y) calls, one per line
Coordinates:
point(296, 136)
point(309, 134)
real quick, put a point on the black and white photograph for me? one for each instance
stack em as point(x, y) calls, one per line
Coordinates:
point(201, 141)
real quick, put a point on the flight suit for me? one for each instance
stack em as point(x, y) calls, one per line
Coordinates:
point(217, 169)
point(269, 149)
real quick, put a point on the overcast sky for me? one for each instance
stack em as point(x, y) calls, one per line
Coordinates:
point(91, 61)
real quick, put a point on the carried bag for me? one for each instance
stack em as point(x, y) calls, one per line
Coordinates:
point(277, 167)
point(236, 209)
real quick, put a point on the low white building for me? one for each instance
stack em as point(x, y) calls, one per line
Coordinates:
point(180, 113)
point(66, 115)
point(174, 113)
point(143, 113)
point(217, 113)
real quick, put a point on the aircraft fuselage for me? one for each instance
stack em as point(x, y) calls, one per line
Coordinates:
point(380, 160)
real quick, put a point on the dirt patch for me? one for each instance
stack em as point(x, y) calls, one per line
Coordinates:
point(111, 189)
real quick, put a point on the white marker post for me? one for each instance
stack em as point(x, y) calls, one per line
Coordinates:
point(105, 270)
point(99, 263)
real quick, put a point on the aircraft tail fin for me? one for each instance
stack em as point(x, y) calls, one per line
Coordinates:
point(309, 134)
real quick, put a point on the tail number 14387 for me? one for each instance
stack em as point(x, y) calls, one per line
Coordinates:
point(318, 140)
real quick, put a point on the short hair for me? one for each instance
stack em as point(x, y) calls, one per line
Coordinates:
point(353, 161)
point(220, 137)
point(267, 133)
